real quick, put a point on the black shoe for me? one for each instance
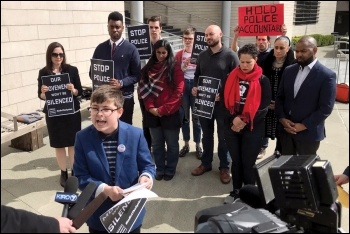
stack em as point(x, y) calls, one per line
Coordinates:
point(63, 178)
point(199, 152)
point(168, 177)
point(185, 149)
point(159, 176)
point(230, 199)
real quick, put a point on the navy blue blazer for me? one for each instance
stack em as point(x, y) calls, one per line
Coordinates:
point(127, 64)
point(313, 103)
point(90, 164)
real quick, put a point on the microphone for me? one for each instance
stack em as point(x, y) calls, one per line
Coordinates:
point(69, 196)
point(84, 197)
point(89, 210)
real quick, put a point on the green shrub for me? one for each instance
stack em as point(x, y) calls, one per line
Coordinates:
point(322, 40)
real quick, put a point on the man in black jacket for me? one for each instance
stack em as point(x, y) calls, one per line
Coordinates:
point(22, 221)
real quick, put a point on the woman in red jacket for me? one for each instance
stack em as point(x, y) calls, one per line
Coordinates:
point(161, 89)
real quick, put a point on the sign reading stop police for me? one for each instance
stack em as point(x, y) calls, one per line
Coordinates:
point(102, 71)
point(139, 36)
point(199, 44)
point(264, 20)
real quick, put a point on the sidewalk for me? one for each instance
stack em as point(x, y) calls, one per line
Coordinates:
point(30, 180)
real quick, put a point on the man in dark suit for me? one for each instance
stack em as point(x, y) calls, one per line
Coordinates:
point(304, 100)
point(127, 65)
point(22, 221)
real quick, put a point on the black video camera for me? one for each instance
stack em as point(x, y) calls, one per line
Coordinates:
point(301, 186)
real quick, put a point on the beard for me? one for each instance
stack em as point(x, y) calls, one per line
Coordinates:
point(214, 43)
point(305, 62)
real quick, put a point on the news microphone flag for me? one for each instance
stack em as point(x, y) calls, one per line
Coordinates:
point(70, 187)
point(64, 198)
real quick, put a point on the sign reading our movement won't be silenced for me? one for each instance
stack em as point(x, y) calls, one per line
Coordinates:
point(205, 100)
point(59, 99)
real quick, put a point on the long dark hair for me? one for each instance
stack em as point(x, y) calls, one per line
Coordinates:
point(49, 51)
point(170, 60)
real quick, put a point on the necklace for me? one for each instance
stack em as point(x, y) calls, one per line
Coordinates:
point(279, 62)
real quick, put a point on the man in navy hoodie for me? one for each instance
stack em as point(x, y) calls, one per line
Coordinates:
point(127, 65)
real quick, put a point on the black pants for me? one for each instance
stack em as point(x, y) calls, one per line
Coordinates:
point(128, 110)
point(290, 146)
point(146, 131)
point(244, 148)
point(136, 230)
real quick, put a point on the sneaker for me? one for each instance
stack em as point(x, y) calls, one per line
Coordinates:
point(232, 198)
point(185, 149)
point(199, 152)
point(261, 153)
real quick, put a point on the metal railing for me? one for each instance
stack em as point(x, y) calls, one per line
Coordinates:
point(342, 56)
point(173, 39)
point(186, 21)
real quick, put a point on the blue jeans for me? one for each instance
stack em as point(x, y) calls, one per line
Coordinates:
point(160, 136)
point(208, 139)
point(187, 104)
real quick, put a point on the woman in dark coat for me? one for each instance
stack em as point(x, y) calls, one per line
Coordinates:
point(273, 66)
point(61, 128)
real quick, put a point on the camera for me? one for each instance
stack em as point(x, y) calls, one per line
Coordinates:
point(294, 193)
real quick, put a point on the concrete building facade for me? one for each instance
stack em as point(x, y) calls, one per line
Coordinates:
point(27, 28)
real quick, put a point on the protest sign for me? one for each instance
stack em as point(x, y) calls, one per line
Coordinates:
point(139, 36)
point(205, 100)
point(199, 44)
point(260, 20)
point(59, 99)
point(122, 216)
point(102, 71)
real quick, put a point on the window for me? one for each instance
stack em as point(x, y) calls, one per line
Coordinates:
point(306, 12)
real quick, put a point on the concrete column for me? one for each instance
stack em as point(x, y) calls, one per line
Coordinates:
point(136, 13)
point(225, 19)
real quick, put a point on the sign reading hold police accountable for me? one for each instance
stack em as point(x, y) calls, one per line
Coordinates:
point(260, 20)
point(102, 71)
point(59, 99)
point(199, 44)
point(139, 37)
point(205, 100)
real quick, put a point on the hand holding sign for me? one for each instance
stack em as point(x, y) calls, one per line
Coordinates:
point(122, 216)
point(115, 193)
point(102, 72)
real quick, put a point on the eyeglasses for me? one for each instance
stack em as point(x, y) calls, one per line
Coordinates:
point(187, 38)
point(163, 53)
point(105, 111)
point(61, 55)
